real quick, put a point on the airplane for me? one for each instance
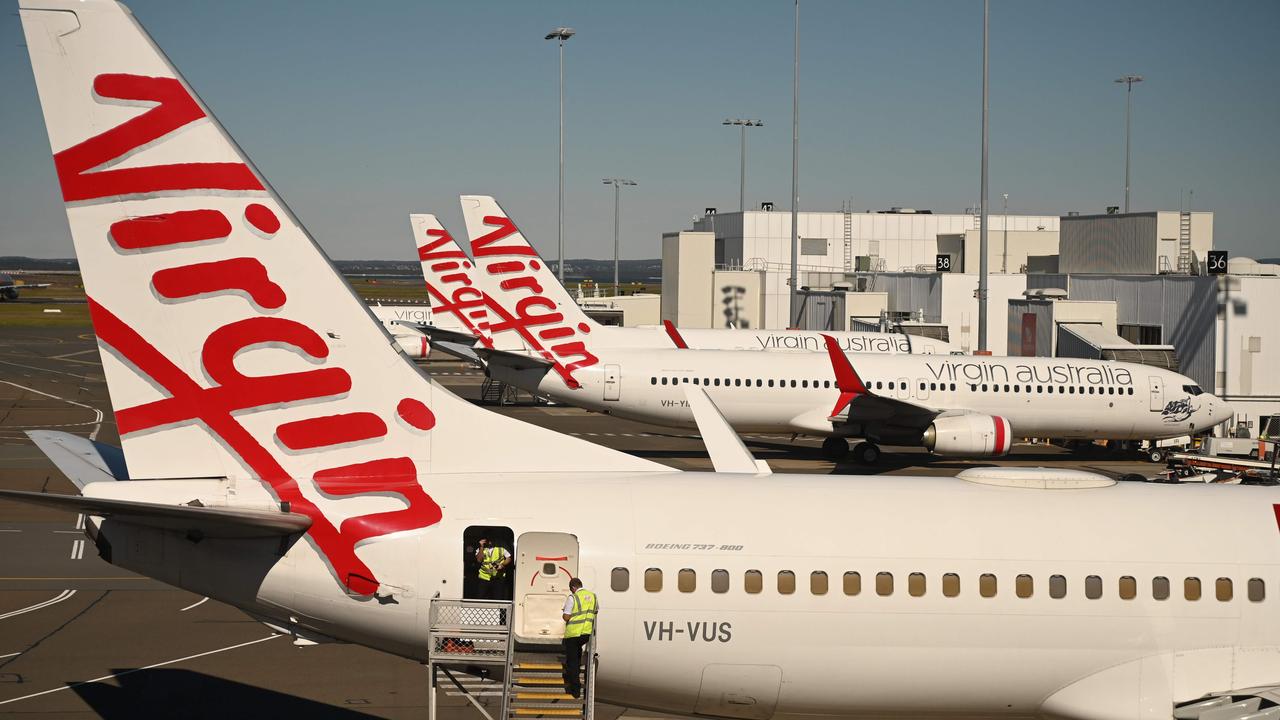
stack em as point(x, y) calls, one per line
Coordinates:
point(9, 287)
point(496, 241)
point(953, 405)
point(281, 455)
point(401, 323)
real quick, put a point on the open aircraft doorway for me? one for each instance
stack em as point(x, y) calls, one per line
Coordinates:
point(502, 578)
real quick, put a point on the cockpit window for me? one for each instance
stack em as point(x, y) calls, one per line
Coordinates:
point(1192, 390)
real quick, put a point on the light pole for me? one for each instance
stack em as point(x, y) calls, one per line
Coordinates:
point(1004, 260)
point(617, 184)
point(795, 179)
point(982, 201)
point(742, 173)
point(560, 34)
point(1127, 81)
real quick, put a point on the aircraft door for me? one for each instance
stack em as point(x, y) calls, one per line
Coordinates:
point(545, 562)
point(612, 382)
point(1157, 394)
point(904, 389)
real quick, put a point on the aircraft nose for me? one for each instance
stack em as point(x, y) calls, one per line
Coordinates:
point(1219, 410)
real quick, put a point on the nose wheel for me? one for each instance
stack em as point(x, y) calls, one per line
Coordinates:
point(835, 448)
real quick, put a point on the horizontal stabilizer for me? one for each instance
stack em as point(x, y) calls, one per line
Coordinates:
point(728, 453)
point(210, 522)
point(82, 460)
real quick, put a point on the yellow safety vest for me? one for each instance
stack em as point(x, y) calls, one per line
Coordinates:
point(489, 563)
point(582, 621)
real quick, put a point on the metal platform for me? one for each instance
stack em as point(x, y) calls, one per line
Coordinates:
point(475, 637)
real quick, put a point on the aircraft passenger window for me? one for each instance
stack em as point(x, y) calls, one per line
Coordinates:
point(984, 387)
point(987, 585)
point(1071, 390)
point(771, 383)
point(685, 381)
point(695, 381)
point(950, 585)
point(620, 579)
point(726, 382)
point(1006, 388)
point(933, 386)
point(1191, 588)
point(786, 582)
point(759, 382)
point(1015, 388)
point(652, 580)
point(879, 384)
point(953, 387)
point(921, 387)
point(1257, 590)
point(818, 582)
point(890, 384)
point(1222, 590)
point(1023, 586)
point(737, 382)
point(793, 383)
point(717, 382)
point(664, 381)
point(1111, 390)
point(852, 583)
point(653, 381)
point(884, 584)
point(915, 584)
point(1093, 587)
point(686, 580)
point(1160, 588)
point(719, 581)
point(826, 383)
point(1027, 389)
point(1049, 389)
point(804, 383)
point(973, 387)
point(753, 581)
point(1039, 389)
point(1128, 587)
point(1090, 389)
point(1130, 391)
point(1057, 587)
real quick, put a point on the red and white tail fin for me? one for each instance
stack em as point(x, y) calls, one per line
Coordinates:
point(456, 302)
point(530, 309)
point(230, 345)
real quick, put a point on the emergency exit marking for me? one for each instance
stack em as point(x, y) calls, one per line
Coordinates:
point(1217, 262)
point(944, 263)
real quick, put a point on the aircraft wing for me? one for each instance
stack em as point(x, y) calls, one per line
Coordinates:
point(441, 334)
point(513, 360)
point(1245, 703)
point(858, 405)
point(213, 522)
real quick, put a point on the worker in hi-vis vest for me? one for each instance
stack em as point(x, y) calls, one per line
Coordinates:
point(493, 561)
point(580, 610)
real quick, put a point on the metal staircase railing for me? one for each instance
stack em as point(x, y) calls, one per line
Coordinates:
point(476, 637)
point(1184, 243)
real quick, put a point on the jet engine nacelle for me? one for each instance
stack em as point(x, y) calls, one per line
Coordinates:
point(969, 436)
point(415, 346)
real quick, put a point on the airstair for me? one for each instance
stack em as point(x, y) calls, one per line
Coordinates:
point(496, 392)
point(474, 639)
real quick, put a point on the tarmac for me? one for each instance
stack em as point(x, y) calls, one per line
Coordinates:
point(80, 638)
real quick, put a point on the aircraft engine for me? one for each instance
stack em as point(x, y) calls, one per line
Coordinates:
point(969, 436)
point(415, 346)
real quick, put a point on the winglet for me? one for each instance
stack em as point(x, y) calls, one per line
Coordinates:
point(728, 454)
point(674, 334)
point(847, 378)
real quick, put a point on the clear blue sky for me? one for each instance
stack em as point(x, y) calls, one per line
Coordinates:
point(360, 113)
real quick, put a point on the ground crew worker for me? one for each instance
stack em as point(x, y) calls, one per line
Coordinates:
point(493, 561)
point(579, 614)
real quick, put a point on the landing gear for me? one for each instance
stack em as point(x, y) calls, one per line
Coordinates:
point(835, 448)
point(1156, 455)
point(867, 453)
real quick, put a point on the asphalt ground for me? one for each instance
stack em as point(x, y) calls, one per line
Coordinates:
point(82, 639)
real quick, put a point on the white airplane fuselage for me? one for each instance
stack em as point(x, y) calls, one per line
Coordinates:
point(657, 338)
point(796, 392)
point(950, 616)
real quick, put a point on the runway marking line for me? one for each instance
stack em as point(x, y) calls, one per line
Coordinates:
point(64, 595)
point(195, 604)
point(97, 413)
point(77, 550)
point(134, 670)
point(10, 655)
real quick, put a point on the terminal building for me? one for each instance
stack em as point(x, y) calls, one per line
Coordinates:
point(1133, 287)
